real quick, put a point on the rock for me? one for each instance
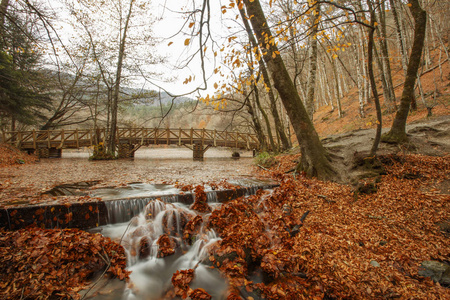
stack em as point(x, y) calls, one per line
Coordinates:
point(375, 263)
point(444, 226)
point(438, 271)
point(144, 247)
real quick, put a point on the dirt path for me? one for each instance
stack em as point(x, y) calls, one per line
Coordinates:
point(431, 137)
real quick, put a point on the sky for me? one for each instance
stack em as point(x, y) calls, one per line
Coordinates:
point(169, 22)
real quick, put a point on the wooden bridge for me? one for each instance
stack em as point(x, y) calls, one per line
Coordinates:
point(49, 143)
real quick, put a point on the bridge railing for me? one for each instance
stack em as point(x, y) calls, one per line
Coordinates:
point(76, 138)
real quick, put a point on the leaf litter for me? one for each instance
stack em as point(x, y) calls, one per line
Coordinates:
point(307, 239)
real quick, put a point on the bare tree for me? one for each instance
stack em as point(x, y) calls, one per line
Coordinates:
point(314, 160)
point(397, 134)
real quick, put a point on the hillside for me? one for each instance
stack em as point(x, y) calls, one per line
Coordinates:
point(437, 95)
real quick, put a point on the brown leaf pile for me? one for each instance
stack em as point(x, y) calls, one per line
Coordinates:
point(200, 203)
point(166, 246)
point(55, 264)
point(10, 155)
point(191, 229)
point(368, 248)
point(181, 280)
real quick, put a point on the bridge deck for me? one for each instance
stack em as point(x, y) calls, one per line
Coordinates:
point(78, 138)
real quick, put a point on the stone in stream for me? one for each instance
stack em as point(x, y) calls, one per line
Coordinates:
point(145, 246)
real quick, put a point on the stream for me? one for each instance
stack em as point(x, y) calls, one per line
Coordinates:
point(151, 274)
point(154, 219)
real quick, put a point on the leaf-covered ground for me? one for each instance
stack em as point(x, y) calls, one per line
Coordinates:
point(55, 264)
point(350, 245)
point(363, 245)
point(9, 155)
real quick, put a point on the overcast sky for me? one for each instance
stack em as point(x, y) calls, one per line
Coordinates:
point(166, 28)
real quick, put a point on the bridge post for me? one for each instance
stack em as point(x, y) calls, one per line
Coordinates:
point(49, 152)
point(199, 151)
point(126, 150)
point(34, 139)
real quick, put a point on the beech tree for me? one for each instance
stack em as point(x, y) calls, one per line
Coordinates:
point(314, 161)
point(397, 134)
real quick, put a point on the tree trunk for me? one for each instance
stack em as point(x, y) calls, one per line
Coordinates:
point(385, 53)
point(400, 38)
point(115, 98)
point(314, 161)
point(311, 85)
point(256, 123)
point(397, 133)
point(264, 114)
point(370, 46)
point(273, 106)
point(382, 75)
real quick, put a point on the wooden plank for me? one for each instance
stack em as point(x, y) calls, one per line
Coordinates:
point(76, 138)
point(61, 145)
point(168, 136)
point(203, 137)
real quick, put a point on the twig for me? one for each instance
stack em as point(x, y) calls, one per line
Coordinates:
point(108, 265)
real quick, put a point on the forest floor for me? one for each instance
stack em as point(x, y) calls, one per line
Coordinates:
point(358, 242)
point(362, 240)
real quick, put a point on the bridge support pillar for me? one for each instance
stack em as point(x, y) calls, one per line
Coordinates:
point(49, 152)
point(199, 151)
point(126, 151)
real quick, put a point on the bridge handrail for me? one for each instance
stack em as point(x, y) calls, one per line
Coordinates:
point(79, 137)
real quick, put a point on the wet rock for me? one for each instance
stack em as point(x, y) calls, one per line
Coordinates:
point(174, 221)
point(444, 226)
point(153, 208)
point(71, 189)
point(437, 271)
point(140, 231)
point(144, 247)
point(134, 221)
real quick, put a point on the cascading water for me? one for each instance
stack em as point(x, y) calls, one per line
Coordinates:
point(155, 249)
point(154, 242)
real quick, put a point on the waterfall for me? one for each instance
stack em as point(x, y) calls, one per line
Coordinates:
point(153, 242)
point(151, 231)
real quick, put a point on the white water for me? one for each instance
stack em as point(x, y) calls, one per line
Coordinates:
point(151, 276)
